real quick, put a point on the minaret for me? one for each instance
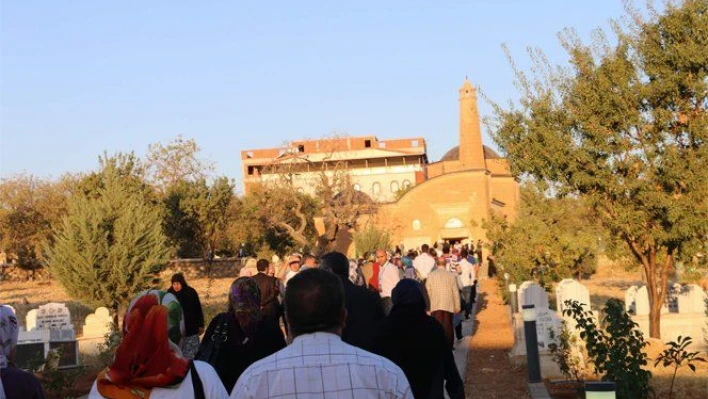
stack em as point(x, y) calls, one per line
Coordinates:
point(471, 151)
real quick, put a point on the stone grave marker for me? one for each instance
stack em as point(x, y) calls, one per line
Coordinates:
point(530, 293)
point(641, 301)
point(98, 324)
point(629, 299)
point(54, 316)
point(31, 320)
point(691, 299)
point(569, 289)
point(546, 319)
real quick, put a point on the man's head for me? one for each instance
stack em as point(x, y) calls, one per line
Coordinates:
point(464, 254)
point(262, 265)
point(446, 250)
point(381, 256)
point(337, 263)
point(314, 301)
point(309, 260)
point(425, 248)
point(441, 262)
point(294, 262)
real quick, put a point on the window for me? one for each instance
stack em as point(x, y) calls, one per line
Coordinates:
point(394, 186)
point(416, 225)
point(406, 184)
point(300, 148)
point(367, 143)
point(376, 188)
point(251, 170)
point(453, 223)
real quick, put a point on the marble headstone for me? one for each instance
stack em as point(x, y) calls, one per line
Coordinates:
point(530, 293)
point(54, 316)
point(691, 299)
point(98, 324)
point(569, 289)
point(641, 301)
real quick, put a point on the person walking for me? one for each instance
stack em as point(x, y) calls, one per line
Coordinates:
point(193, 315)
point(424, 263)
point(149, 362)
point(389, 276)
point(444, 297)
point(269, 288)
point(318, 363)
point(430, 366)
point(243, 334)
point(364, 311)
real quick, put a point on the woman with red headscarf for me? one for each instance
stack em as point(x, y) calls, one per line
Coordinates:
point(148, 363)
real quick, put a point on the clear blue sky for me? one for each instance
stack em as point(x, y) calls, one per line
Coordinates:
point(81, 77)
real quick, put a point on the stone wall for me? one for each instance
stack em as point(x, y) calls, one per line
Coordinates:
point(192, 268)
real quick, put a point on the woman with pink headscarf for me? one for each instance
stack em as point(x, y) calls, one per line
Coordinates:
point(14, 383)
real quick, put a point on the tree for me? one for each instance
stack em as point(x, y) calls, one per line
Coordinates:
point(370, 238)
point(29, 208)
point(559, 235)
point(174, 162)
point(625, 127)
point(110, 245)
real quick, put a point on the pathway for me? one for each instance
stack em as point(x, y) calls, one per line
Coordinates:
point(489, 373)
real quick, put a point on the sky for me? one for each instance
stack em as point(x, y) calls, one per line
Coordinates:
point(78, 78)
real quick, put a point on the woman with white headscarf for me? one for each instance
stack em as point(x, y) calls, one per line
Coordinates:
point(16, 383)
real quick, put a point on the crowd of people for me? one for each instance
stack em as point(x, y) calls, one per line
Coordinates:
point(302, 328)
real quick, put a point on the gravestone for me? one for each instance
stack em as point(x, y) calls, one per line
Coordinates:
point(31, 320)
point(54, 316)
point(629, 299)
point(530, 293)
point(569, 289)
point(691, 299)
point(546, 320)
point(48, 327)
point(641, 301)
point(98, 324)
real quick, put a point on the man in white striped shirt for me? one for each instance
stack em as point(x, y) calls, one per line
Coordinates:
point(318, 364)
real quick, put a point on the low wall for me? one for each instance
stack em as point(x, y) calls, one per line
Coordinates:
point(675, 324)
point(192, 268)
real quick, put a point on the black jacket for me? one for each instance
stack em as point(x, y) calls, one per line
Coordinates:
point(192, 309)
point(236, 355)
point(364, 313)
point(270, 289)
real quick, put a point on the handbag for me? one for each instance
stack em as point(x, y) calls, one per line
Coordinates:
point(211, 347)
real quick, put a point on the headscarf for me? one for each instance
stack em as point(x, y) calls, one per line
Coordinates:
point(9, 330)
point(245, 304)
point(407, 296)
point(150, 354)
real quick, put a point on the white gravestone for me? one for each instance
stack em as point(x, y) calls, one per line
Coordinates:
point(98, 324)
point(571, 290)
point(691, 299)
point(546, 320)
point(532, 294)
point(629, 299)
point(641, 301)
point(31, 320)
point(54, 316)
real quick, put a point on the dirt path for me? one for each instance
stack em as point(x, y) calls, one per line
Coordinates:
point(490, 374)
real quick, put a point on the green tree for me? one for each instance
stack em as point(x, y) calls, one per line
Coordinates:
point(29, 208)
point(560, 235)
point(625, 127)
point(174, 162)
point(370, 238)
point(110, 244)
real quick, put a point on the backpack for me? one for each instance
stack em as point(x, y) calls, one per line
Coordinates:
point(211, 346)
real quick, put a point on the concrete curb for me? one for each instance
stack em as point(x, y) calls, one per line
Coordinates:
point(538, 390)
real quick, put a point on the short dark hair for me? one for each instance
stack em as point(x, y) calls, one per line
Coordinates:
point(337, 263)
point(446, 249)
point(464, 253)
point(262, 265)
point(424, 248)
point(314, 302)
point(307, 257)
